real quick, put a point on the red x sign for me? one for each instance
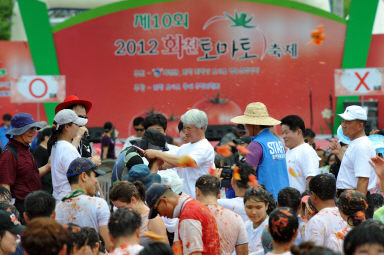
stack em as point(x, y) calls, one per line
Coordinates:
point(362, 81)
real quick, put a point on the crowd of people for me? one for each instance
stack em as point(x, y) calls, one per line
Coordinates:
point(256, 192)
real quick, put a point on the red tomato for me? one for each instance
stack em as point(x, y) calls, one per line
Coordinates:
point(220, 111)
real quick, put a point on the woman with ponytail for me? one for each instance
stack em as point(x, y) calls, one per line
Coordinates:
point(67, 126)
point(132, 195)
point(353, 207)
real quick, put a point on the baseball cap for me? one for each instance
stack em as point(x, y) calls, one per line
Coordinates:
point(80, 165)
point(9, 222)
point(354, 112)
point(152, 139)
point(140, 172)
point(153, 194)
point(67, 116)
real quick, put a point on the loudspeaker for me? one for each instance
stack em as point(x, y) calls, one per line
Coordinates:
point(95, 134)
point(216, 132)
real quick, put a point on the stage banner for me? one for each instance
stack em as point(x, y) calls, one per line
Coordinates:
point(135, 57)
point(38, 89)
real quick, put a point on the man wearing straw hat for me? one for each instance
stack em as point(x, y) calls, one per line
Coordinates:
point(267, 153)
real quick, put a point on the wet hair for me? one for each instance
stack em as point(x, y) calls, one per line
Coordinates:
point(108, 126)
point(283, 224)
point(157, 248)
point(294, 123)
point(245, 170)
point(7, 117)
point(93, 237)
point(271, 203)
point(39, 204)
point(180, 126)
point(78, 237)
point(5, 194)
point(155, 119)
point(9, 207)
point(124, 191)
point(309, 248)
point(377, 200)
point(289, 197)
point(369, 232)
point(43, 133)
point(208, 185)
point(354, 205)
point(44, 236)
point(138, 121)
point(258, 194)
point(324, 186)
point(123, 222)
point(55, 136)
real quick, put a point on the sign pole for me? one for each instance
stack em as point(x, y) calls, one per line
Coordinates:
point(38, 111)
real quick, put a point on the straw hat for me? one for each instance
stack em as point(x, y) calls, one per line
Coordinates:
point(256, 114)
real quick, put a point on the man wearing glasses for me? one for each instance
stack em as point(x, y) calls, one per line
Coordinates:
point(81, 108)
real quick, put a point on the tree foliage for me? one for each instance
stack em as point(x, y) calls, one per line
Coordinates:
point(6, 7)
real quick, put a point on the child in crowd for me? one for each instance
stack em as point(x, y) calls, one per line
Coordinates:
point(367, 238)
point(353, 207)
point(283, 227)
point(256, 202)
point(132, 195)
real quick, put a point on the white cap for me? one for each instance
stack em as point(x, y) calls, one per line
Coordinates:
point(354, 112)
point(67, 116)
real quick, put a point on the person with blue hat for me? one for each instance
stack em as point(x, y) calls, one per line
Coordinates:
point(80, 206)
point(19, 172)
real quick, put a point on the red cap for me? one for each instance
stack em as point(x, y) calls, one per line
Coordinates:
point(73, 100)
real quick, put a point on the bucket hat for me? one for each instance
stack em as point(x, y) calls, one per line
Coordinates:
point(256, 114)
point(73, 100)
point(22, 122)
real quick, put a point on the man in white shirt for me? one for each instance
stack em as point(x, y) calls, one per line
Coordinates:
point(326, 228)
point(207, 192)
point(80, 206)
point(199, 149)
point(302, 159)
point(355, 171)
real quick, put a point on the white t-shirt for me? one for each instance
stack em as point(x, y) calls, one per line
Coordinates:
point(302, 162)
point(124, 249)
point(355, 164)
point(231, 228)
point(203, 154)
point(84, 211)
point(236, 205)
point(327, 228)
point(62, 154)
point(254, 237)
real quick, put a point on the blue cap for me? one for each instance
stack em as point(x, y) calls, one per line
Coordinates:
point(140, 172)
point(153, 194)
point(80, 165)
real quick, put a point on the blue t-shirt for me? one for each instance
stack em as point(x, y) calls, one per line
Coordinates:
point(3, 138)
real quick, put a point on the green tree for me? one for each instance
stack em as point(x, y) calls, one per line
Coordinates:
point(6, 7)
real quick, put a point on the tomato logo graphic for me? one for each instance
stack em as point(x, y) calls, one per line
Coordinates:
point(248, 30)
point(219, 110)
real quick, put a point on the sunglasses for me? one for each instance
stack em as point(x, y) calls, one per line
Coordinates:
point(139, 129)
point(82, 116)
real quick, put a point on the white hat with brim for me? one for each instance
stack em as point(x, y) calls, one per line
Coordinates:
point(67, 116)
point(354, 112)
point(256, 114)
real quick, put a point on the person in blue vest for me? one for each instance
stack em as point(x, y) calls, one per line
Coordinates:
point(267, 152)
point(4, 128)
